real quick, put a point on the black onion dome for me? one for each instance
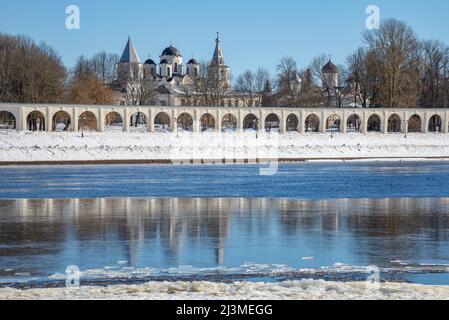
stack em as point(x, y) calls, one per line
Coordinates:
point(330, 68)
point(192, 61)
point(149, 61)
point(171, 51)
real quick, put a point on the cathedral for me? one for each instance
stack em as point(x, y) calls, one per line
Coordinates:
point(177, 83)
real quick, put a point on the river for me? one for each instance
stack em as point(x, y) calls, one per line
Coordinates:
point(223, 223)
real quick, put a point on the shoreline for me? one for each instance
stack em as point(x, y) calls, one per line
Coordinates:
point(217, 162)
point(203, 290)
point(117, 148)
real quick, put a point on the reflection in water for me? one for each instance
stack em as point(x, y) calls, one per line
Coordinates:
point(42, 237)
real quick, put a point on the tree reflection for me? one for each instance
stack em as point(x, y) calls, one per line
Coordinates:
point(218, 231)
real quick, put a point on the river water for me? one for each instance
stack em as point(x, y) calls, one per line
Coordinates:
point(130, 224)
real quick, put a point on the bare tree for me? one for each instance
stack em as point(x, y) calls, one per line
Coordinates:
point(200, 84)
point(90, 90)
point(434, 72)
point(343, 88)
point(105, 66)
point(138, 90)
point(102, 65)
point(29, 72)
point(311, 95)
point(83, 68)
point(358, 64)
point(318, 80)
point(288, 81)
point(395, 47)
point(335, 92)
point(250, 84)
point(262, 77)
point(188, 87)
point(218, 80)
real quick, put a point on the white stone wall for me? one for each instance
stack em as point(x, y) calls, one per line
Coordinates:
point(21, 112)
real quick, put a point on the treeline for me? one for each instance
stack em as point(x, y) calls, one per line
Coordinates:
point(392, 68)
point(30, 72)
point(92, 80)
point(34, 73)
point(396, 69)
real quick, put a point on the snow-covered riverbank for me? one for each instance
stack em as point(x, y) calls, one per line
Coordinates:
point(27, 146)
point(290, 290)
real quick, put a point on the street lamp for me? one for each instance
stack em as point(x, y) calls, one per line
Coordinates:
point(406, 128)
point(176, 126)
point(83, 119)
point(256, 124)
point(338, 96)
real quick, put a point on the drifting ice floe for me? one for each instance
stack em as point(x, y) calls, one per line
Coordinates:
point(201, 290)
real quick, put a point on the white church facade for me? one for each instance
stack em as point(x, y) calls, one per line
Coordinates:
point(176, 82)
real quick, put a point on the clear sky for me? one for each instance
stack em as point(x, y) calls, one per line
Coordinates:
point(254, 33)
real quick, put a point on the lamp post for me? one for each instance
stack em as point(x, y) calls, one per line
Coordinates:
point(256, 124)
point(176, 126)
point(331, 127)
point(83, 118)
point(338, 96)
point(406, 128)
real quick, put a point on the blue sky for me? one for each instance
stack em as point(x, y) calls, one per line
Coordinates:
point(254, 33)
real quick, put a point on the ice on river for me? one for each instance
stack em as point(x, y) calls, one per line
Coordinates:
point(201, 290)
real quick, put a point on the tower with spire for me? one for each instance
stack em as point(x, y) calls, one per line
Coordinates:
point(217, 65)
point(218, 58)
point(174, 80)
point(330, 75)
point(129, 64)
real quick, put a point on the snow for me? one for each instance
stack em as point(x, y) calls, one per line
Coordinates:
point(202, 290)
point(141, 145)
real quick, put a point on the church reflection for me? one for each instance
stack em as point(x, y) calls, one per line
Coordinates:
point(176, 231)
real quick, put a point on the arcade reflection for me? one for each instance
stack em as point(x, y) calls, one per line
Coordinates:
point(172, 232)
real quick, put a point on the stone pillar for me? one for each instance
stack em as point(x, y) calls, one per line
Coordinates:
point(240, 121)
point(385, 123)
point(150, 121)
point(75, 119)
point(301, 122)
point(364, 123)
point(261, 127)
point(48, 120)
point(23, 116)
point(101, 120)
point(425, 123)
point(403, 117)
point(283, 123)
point(196, 121)
point(445, 123)
point(344, 124)
point(323, 122)
point(126, 120)
point(218, 121)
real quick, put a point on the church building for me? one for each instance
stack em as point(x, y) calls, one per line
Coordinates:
point(181, 84)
